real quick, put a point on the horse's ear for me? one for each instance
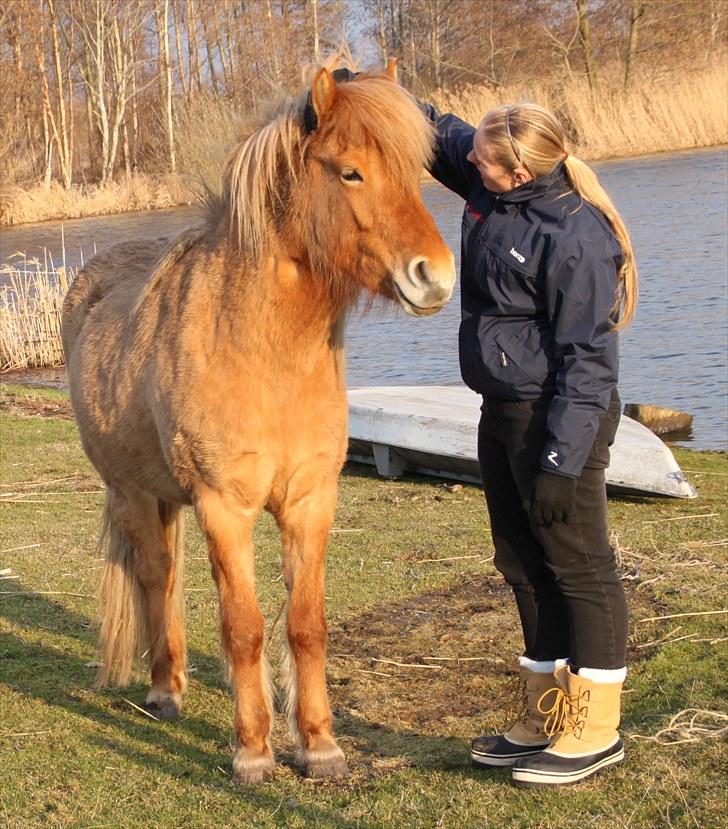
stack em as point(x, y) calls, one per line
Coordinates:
point(323, 92)
point(391, 70)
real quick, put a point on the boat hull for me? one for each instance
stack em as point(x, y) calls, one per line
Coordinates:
point(433, 430)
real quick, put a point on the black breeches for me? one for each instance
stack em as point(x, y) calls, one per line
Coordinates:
point(564, 578)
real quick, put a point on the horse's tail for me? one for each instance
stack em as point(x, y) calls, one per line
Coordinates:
point(123, 637)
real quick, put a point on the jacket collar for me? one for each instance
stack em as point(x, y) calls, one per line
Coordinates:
point(554, 183)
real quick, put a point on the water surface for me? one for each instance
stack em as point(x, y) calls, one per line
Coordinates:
point(674, 354)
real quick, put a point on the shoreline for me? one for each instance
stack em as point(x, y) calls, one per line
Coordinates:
point(53, 378)
point(191, 202)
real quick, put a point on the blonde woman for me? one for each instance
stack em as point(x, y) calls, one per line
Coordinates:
point(548, 277)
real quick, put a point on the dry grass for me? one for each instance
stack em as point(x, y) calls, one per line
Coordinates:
point(31, 297)
point(140, 192)
point(670, 114)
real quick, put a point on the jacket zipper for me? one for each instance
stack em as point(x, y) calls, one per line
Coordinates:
point(503, 358)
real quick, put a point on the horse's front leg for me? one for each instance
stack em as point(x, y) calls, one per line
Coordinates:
point(305, 523)
point(228, 529)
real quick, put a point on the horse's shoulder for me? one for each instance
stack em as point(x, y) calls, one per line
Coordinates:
point(167, 258)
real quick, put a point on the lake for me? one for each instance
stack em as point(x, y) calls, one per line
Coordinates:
point(674, 354)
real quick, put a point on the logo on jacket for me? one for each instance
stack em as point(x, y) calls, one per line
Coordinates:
point(552, 456)
point(518, 256)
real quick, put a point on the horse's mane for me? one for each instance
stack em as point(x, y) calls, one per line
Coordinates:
point(264, 170)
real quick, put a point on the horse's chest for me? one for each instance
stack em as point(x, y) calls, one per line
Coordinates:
point(261, 442)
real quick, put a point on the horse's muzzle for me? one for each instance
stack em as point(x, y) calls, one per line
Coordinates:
point(422, 287)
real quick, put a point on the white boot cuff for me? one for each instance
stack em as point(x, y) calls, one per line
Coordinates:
point(603, 676)
point(546, 667)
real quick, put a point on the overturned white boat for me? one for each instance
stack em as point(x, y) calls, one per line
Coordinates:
point(433, 430)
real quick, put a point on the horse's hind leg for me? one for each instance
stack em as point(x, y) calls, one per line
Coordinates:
point(305, 523)
point(228, 528)
point(155, 531)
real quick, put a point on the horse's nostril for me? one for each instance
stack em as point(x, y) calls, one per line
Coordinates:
point(418, 272)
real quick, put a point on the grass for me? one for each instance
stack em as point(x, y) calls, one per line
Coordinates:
point(73, 756)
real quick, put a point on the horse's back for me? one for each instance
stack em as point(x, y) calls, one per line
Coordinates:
point(115, 277)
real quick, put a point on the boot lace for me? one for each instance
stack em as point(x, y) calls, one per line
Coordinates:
point(565, 713)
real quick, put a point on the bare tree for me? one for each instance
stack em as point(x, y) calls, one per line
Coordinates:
point(54, 100)
point(108, 68)
point(563, 47)
point(315, 28)
point(165, 74)
point(586, 45)
point(637, 9)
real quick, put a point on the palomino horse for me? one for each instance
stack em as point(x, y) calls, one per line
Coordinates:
point(210, 373)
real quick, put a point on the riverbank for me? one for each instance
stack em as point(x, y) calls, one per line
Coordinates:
point(666, 115)
point(422, 641)
point(139, 192)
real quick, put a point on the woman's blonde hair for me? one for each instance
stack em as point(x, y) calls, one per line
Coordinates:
point(530, 136)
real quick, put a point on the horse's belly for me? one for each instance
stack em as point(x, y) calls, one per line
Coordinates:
point(119, 435)
point(131, 459)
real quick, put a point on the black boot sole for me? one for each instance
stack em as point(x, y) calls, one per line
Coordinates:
point(539, 778)
point(490, 761)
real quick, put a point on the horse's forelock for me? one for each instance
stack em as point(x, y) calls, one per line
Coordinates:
point(389, 118)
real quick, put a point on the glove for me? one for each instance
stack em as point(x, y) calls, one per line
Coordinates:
point(552, 499)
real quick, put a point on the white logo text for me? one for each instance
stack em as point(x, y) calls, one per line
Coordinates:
point(518, 256)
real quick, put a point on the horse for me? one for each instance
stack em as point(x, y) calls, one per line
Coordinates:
point(209, 372)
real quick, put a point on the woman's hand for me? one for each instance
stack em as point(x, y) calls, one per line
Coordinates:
point(552, 499)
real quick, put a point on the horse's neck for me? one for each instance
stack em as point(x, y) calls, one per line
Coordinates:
point(285, 314)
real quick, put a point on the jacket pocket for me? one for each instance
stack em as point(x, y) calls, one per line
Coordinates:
point(530, 359)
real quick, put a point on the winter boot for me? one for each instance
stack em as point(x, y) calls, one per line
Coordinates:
point(526, 736)
point(586, 713)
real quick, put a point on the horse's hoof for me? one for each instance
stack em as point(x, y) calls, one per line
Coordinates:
point(163, 705)
point(318, 765)
point(249, 771)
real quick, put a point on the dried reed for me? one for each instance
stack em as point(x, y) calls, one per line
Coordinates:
point(673, 113)
point(31, 297)
point(138, 192)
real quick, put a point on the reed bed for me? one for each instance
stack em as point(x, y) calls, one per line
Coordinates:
point(31, 298)
point(138, 192)
point(673, 113)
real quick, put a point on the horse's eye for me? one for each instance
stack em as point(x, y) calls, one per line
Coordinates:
point(349, 174)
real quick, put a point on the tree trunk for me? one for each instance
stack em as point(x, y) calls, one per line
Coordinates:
point(382, 32)
point(271, 41)
point(636, 12)
point(193, 49)
point(585, 37)
point(314, 23)
point(435, 56)
point(135, 111)
point(185, 81)
point(208, 51)
point(92, 132)
point(47, 152)
point(165, 71)
point(60, 129)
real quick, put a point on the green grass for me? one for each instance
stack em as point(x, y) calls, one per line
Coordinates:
point(72, 756)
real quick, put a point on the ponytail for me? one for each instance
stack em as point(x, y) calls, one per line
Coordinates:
point(585, 182)
point(529, 135)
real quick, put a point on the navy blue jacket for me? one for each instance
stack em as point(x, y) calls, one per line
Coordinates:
point(538, 284)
